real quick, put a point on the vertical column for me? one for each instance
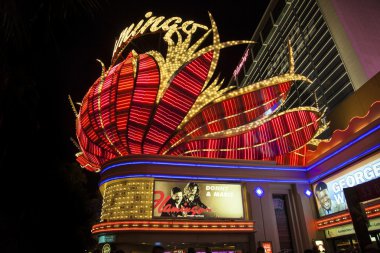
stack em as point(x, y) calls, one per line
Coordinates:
point(263, 214)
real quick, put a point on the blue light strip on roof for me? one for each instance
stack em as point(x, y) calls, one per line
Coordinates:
point(305, 169)
point(205, 178)
point(310, 181)
point(353, 159)
point(344, 147)
point(217, 166)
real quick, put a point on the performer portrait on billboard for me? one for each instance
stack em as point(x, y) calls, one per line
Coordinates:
point(174, 204)
point(191, 197)
point(327, 205)
point(197, 200)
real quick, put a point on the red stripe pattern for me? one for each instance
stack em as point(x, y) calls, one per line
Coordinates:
point(102, 121)
point(119, 116)
point(281, 135)
point(176, 102)
point(144, 97)
point(233, 112)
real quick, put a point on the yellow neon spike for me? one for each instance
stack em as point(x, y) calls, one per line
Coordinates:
point(291, 59)
point(263, 84)
point(187, 136)
point(135, 57)
point(99, 91)
point(103, 74)
point(260, 144)
point(216, 53)
point(73, 106)
point(76, 144)
point(206, 97)
point(182, 51)
point(242, 129)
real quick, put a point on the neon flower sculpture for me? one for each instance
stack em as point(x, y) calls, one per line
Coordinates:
point(149, 103)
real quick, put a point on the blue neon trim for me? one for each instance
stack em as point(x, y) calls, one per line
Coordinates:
point(345, 163)
point(305, 169)
point(205, 178)
point(247, 167)
point(310, 181)
point(344, 147)
point(201, 165)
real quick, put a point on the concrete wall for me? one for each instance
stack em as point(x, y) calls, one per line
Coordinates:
point(357, 104)
point(301, 214)
point(360, 22)
point(346, 50)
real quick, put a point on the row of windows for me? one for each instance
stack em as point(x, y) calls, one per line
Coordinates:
point(315, 54)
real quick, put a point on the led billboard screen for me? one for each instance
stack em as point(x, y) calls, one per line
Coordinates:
point(329, 192)
point(199, 200)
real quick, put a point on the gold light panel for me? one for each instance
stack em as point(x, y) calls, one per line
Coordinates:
point(127, 199)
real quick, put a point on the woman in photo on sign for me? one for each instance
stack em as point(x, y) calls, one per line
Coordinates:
point(191, 199)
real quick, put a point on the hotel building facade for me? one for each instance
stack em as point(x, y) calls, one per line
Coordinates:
point(244, 168)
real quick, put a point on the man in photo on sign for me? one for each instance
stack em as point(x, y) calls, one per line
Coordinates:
point(174, 205)
point(327, 205)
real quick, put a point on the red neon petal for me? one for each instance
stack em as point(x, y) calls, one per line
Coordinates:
point(176, 102)
point(266, 141)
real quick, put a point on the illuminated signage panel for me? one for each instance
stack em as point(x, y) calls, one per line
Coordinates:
point(197, 200)
point(348, 229)
point(329, 192)
point(106, 238)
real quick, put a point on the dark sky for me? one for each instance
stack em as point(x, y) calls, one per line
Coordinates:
point(48, 50)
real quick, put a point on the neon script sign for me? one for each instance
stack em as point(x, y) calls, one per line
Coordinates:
point(163, 207)
point(243, 60)
point(153, 24)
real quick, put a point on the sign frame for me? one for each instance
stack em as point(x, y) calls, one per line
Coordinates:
point(243, 204)
point(339, 178)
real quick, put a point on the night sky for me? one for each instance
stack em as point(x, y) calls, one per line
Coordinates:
point(48, 50)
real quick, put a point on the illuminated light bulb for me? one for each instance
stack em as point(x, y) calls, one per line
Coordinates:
point(308, 193)
point(259, 192)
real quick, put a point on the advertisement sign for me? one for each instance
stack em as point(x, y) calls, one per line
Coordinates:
point(348, 229)
point(329, 192)
point(202, 200)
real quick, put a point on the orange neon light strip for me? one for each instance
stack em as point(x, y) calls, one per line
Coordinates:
point(173, 230)
point(372, 207)
point(175, 222)
point(346, 214)
point(345, 218)
point(174, 226)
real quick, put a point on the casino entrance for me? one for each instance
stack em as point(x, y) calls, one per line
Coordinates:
point(179, 242)
point(344, 243)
